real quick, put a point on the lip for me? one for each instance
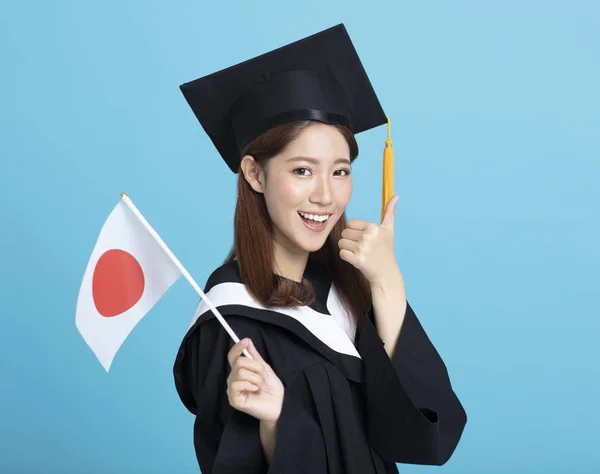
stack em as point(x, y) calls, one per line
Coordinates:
point(317, 213)
point(317, 228)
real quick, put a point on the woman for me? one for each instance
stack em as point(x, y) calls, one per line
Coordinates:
point(343, 378)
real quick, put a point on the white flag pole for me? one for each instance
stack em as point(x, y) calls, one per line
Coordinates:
point(183, 271)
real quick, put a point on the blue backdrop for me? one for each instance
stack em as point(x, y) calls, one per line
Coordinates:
point(495, 121)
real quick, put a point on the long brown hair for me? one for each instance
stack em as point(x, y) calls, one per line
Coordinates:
point(253, 237)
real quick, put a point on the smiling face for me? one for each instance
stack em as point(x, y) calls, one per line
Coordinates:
point(306, 187)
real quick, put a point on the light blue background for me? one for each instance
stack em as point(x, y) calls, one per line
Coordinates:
point(495, 114)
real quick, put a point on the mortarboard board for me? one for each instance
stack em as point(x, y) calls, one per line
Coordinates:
point(317, 78)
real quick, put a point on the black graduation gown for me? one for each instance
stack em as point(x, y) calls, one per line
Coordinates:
point(348, 408)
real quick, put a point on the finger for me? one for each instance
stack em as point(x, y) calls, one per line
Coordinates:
point(352, 234)
point(245, 369)
point(357, 224)
point(236, 351)
point(349, 257)
point(242, 385)
point(390, 211)
point(249, 364)
point(249, 376)
point(254, 352)
point(348, 245)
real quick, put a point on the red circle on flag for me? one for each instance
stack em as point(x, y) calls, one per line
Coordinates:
point(117, 283)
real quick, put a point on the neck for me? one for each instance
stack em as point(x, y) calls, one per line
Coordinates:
point(289, 264)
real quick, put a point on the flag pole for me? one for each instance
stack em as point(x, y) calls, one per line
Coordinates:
point(181, 268)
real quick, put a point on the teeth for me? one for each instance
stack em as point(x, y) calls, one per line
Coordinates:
point(312, 217)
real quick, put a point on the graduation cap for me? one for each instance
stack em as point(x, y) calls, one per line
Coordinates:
point(317, 78)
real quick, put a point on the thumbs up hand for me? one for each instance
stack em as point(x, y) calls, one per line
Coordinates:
point(370, 247)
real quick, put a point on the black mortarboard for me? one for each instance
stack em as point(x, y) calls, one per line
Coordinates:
point(318, 78)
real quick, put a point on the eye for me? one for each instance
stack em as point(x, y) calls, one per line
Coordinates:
point(300, 171)
point(345, 172)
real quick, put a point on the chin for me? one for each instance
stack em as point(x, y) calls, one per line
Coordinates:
point(302, 239)
point(312, 247)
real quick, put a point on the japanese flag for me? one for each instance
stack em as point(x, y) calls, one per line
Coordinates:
point(127, 274)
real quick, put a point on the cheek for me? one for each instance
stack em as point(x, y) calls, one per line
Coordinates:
point(344, 193)
point(289, 193)
point(281, 197)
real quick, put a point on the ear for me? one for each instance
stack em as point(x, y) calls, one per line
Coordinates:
point(253, 173)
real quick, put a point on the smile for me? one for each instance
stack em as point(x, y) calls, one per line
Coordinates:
point(314, 222)
point(314, 217)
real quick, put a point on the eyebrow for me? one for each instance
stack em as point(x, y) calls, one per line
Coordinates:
point(316, 161)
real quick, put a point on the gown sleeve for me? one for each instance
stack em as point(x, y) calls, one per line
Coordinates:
point(226, 440)
point(413, 415)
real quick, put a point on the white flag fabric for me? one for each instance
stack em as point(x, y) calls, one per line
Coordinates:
point(127, 274)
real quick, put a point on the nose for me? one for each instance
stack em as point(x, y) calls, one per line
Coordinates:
point(321, 193)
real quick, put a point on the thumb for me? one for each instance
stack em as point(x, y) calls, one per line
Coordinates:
point(390, 211)
point(254, 352)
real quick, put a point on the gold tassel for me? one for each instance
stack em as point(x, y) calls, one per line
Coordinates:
point(388, 171)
